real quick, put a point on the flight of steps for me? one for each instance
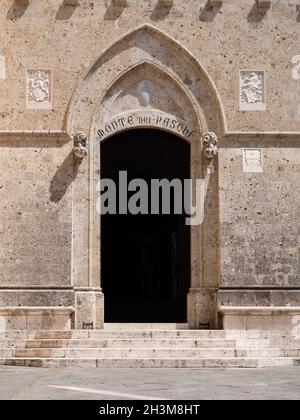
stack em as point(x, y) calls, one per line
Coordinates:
point(149, 348)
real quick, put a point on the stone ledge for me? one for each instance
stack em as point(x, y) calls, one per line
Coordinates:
point(259, 298)
point(36, 310)
point(239, 135)
point(272, 135)
point(259, 310)
point(63, 135)
point(30, 298)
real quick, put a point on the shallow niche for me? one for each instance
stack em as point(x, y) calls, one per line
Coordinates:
point(145, 88)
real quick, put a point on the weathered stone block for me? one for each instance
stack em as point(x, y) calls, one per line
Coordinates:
point(89, 310)
point(128, 73)
point(36, 318)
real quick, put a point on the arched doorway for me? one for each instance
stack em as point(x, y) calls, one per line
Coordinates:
point(145, 259)
point(109, 99)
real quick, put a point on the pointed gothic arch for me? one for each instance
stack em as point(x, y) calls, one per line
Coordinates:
point(146, 44)
point(186, 103)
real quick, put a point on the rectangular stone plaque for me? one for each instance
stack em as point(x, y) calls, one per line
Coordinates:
point(252, 160)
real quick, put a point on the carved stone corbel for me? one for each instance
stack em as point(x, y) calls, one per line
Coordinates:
point(210, 141)
point(80, 145)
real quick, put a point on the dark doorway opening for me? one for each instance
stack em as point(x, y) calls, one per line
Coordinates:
point(145, 259)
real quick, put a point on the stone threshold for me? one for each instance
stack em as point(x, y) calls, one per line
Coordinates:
point(145, 326)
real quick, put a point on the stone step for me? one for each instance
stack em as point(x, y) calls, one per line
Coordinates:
point(145, 326)
point(150, 343)
point(154, 363)
point(155, 353)
point(149, 348)
point(131, 343)
point(132, 334)
point(267, 343)
point(193, 334)
point(4, 353)
point(106, 335)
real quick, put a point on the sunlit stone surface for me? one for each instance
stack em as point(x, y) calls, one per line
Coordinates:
point(188, 68)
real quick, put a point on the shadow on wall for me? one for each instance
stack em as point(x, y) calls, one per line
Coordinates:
point(208, 13)
point(298, 15)
point(65, 11)
point(64, 177)
point(16, 10)
point(257, 14)
point(114, 11)
point(160, 12)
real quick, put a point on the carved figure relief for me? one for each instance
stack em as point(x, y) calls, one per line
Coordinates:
point(252, 89)
point(210, 141)
point(38, 93)
point(80, 145)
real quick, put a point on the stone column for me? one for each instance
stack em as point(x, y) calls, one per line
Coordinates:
point(89, 306)
point(201, 300)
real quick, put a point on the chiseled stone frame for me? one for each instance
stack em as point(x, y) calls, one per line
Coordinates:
point(150, 47)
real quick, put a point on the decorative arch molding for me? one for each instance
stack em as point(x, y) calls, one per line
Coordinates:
point(146, 95)
point(146, 44)
point(146, 79)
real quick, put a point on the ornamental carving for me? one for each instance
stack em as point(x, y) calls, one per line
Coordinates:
point(252, 88)
point(38, 89)
point(210, 141)
point(80, 145)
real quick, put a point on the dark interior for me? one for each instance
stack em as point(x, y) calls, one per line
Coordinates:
point(145, 259)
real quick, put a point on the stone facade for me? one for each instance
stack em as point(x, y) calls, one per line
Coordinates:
point(73, 73)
